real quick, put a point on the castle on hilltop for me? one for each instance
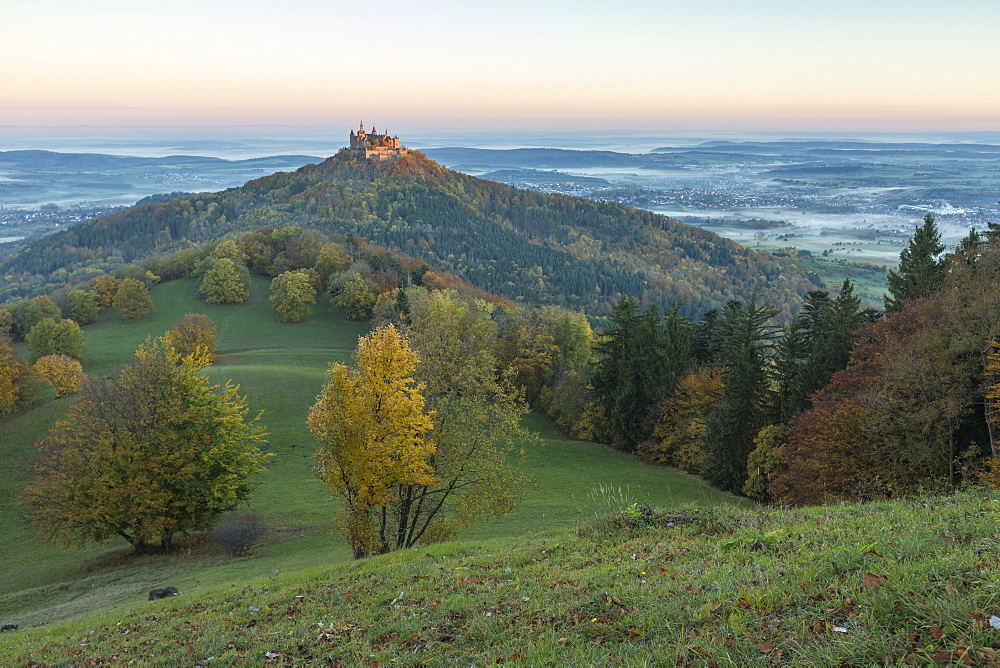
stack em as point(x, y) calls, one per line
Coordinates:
point(376, 145)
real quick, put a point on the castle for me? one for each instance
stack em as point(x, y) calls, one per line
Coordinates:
point(375, 145)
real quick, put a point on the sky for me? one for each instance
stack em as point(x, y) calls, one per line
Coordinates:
point(643, 65)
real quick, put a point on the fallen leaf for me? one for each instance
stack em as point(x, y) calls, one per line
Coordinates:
point(871, 581)
point(765, 647)
point(936, 632)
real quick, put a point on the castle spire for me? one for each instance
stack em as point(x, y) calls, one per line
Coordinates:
point(361, 128)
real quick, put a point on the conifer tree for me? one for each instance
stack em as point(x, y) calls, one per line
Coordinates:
point(639, 360)
point(746, 399)
point(920, 272)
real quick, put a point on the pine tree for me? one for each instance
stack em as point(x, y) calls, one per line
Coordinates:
point(920, 272)
point(746, 399)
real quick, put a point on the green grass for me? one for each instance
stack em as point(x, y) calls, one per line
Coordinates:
point(901, 583)
point(281, 369)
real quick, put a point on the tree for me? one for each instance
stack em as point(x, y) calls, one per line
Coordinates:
point(747, 402)
point(292, 295)
point(225, 282)
point(764, 464)
point(105, 287)
point(920, 272)
point(151, 453)
point(477, 433)
point(193, 335)
point(63, 373)
point(371, 425)
point(29, 313)
point(132, 301)
point(82, 306)
point(639, 359)
point(681, 430)
point(13, 376)
point(50, 337)
point(357, 296)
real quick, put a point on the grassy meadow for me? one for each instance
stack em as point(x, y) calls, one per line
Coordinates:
point(280, 368)
point(903, 583)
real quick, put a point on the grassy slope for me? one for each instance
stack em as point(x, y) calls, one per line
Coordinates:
point(898, 583)
point(281, 368)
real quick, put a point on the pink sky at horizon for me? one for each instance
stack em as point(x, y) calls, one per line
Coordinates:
point(880, 65)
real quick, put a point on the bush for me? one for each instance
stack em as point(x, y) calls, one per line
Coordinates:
point(239, 534)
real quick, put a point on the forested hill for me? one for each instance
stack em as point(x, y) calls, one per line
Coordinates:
point(526, 245)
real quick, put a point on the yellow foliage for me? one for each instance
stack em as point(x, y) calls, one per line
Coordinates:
point(61, 372)
point(370, 423)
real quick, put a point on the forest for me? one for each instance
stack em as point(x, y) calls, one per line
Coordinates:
point(525, 246)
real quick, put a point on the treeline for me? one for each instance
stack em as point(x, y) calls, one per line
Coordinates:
point(526, 246)
point(841, 402)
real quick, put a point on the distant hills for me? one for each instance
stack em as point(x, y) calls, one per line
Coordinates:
point(523, 245)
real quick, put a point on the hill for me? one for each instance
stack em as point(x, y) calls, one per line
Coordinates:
point(902, 583)
point(523, 245)
point(280, 368)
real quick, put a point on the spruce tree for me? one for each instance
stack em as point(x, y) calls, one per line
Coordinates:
point(920, 272)
point(746, 397)
point(639, 360)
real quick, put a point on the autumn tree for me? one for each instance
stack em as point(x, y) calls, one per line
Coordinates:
point(357, 295)
point(132, 301)
point(50, 337)
point(764, 463)
point(477, 433)
point(105, 287)
point(371, 424)
point(225, 282)
point(921, 272)
point(13, 376)
point(193, 336)
point(680, 434)
point(63, 373)
point(151, 453)
point(82, 306)
point(292, 295)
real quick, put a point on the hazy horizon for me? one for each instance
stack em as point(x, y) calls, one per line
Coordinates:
point(663, 65)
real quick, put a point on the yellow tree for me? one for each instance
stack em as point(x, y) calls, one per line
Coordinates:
point(370, 423)
point(61, 372)
point(13, 375)
point(193, 335)
point(151, 453)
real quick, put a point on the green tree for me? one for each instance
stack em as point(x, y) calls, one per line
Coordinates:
point(371, 425)
point(82, 306)
point(29, 313)
point(225, 282)
point(132, 301)
point(477, 433)
point(747, 402)
point(293, 294)
point(151, 453)
point(357, 297)
point(920, 272)
point(49, 337)
point(639, 359)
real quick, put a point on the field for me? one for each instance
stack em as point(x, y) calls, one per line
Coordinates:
point(281, 369)
point(902, 583)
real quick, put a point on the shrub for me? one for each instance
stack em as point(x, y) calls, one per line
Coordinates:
point(239, 534)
